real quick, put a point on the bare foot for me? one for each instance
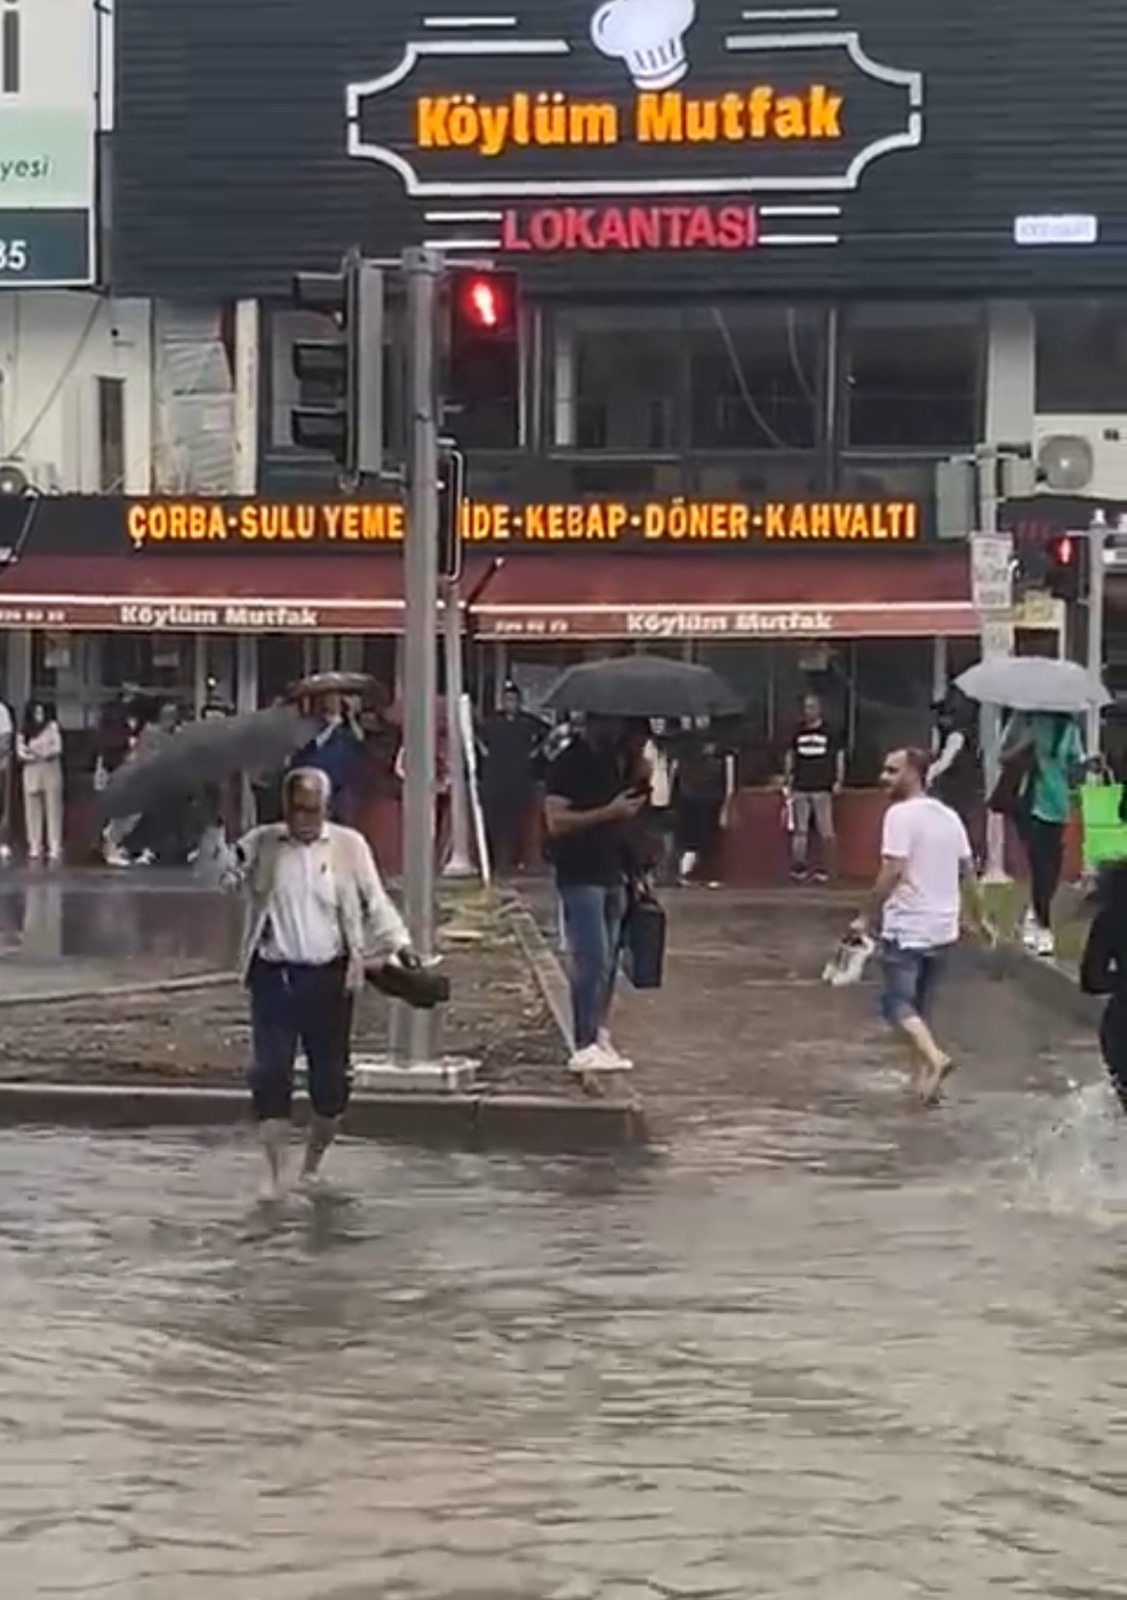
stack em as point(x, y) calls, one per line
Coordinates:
point(929, 1086)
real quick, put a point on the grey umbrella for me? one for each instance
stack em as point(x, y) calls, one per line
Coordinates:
point(643, 686)
point(181, 764)
point(1033, 683)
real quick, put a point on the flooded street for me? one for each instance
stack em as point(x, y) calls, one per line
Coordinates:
point(843, 1351)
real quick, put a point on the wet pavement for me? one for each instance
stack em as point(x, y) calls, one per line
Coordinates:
point(818, 1343)
point(67, 929)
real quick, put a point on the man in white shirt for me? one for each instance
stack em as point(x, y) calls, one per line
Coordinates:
point(916, 901)
point(316, 909)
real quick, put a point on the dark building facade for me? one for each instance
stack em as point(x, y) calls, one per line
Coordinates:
point(860, 148)
point(776, 262)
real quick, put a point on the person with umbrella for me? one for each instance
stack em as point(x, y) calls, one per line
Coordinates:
point(593, 796)
point(1042, 755)
point(1044, 752)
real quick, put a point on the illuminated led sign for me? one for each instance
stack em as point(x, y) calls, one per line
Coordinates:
point(513, 137)
point(651, 524)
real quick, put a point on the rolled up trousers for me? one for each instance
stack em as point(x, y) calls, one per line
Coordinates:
point(290, 1006)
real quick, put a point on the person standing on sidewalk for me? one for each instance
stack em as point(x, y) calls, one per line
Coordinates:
point(510, 744)
point(593, 794)
point(315, 907)
point(1049, 746)
point(39, 750)
point(915, 906)
point(813, 776)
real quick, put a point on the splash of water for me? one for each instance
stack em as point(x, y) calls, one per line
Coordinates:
point(1079, 1162)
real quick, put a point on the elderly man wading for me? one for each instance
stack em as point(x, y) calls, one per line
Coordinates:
point(316, 911)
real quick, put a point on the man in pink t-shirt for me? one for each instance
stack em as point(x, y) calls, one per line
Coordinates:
point(916, 907)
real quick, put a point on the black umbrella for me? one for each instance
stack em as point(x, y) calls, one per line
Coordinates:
point(203, 753)
point(643, 686)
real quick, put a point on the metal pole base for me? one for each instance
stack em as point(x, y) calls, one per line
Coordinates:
point(459, 867)
point(441, 1075)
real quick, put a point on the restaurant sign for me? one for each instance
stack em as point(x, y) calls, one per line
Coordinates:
point(645, 525)
point(643, 125)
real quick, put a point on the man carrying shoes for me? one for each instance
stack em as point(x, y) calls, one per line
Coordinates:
point(592, 797)
point(916, 905)
point(316, 911)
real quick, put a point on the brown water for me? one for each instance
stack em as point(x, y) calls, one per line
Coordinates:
point(831, 1352)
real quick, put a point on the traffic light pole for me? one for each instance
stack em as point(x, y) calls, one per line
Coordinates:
point(421, 273)
point(1097, 589)
point(460, 864)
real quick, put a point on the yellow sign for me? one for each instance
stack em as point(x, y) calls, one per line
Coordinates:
point(653, 523)
point(757, 115)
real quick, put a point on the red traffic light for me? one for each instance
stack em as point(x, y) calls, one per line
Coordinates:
point(1063, 551)
point(485, 303)
point(482, 302)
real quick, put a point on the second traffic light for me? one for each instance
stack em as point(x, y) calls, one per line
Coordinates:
point(482, 386)
point(341, 377)
point(1065, 567)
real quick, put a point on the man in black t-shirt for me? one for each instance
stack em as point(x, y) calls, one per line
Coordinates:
point(815, 773)
point(592, 797)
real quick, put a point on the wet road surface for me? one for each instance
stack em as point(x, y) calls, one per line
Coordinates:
point(818, 1344)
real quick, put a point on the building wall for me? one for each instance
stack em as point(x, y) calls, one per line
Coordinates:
point(54, 347)
point(239, 156)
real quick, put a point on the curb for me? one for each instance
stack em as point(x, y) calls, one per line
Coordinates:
point(119, 991)
point(1046, 982)
point(479, 1121)
point(546, 969)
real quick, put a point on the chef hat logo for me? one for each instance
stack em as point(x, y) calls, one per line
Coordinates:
point(649, 35)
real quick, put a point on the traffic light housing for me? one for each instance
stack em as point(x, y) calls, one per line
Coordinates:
point(482, 387)
point(1064, 567)
point(344, 371)
point(451, 497)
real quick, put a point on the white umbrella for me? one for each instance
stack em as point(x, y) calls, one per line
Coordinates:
point(1033, 683)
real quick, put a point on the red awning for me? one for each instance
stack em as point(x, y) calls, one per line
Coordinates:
point(604, 595)
point(226, 594)
point(612, 596)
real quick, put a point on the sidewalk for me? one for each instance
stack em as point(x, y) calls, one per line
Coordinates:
point(744, 1022)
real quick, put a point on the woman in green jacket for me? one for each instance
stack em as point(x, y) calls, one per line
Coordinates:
point(1050, 745)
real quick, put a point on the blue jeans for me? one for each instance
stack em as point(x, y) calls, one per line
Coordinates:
point(592, 917)
point(909, 983)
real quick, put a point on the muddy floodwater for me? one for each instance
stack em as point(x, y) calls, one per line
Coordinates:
point(820, 1351)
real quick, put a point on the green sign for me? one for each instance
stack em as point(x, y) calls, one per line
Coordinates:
point(46, 157)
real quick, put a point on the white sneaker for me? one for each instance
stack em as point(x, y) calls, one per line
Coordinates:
point(617, 1062)
point(589, 1059)
point(146, 858)
point(115, 856)
point(5, 855)
point(1030, 931)
point(1045, 944)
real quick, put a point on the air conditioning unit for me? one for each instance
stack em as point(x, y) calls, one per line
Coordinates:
point(1081, 454)
point(19, 477)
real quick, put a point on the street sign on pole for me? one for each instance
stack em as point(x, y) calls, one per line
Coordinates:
point(991, 573)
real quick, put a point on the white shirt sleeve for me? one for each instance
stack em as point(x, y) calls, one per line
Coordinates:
point(235, 861)
point(384, 926)
point(945, 760)
point(896, 835)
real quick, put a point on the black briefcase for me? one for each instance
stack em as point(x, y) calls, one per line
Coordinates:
point(643, 942)
point(422, 988)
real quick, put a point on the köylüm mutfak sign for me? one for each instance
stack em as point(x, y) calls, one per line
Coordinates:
point(662, 125)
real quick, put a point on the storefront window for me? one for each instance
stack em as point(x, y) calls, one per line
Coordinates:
point(619, 379)
point(755, 377)
point(914, 376)
point(1082, 356)
point(893, 687)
